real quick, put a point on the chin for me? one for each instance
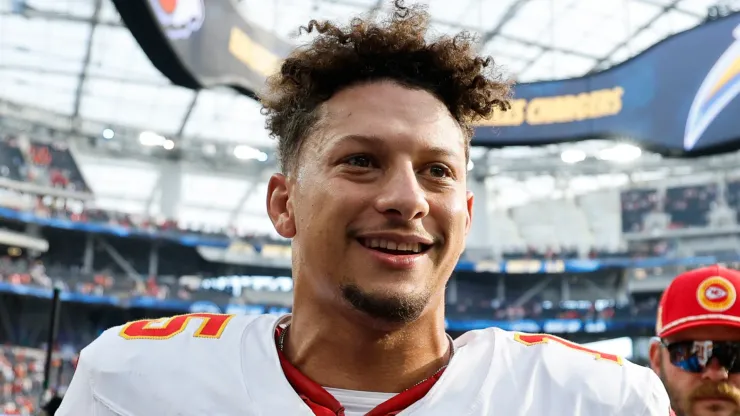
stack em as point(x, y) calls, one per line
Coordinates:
point(389, 307)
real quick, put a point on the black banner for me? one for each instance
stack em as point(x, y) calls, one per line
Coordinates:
point(201, 44)
point(680, 97)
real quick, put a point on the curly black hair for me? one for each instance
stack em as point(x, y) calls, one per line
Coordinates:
point(470, 86)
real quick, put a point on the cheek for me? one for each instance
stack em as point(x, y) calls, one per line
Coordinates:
point(323, 208)
point(679, 381)
point(452, 211)
point(313, 205)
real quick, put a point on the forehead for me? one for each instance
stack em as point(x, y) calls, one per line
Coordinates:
point(403, 117)
point(708, 332)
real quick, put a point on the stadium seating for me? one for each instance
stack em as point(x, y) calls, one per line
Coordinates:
point(569, 228)
point(22, 376)
point(732, 195)
point(507, 238)
point(11, 161)
point(602, 213)
point(589, 225)
point(52, 165)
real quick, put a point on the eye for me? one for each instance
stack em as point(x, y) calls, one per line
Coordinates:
point(359, 161)
point(439, 171)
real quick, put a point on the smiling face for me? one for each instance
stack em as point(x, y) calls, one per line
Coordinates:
point(377, 206)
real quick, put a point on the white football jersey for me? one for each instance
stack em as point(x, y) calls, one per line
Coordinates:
point(223, 365)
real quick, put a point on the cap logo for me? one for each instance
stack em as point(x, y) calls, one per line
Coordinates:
point(716, 294)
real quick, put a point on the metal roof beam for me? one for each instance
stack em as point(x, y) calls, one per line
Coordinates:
point(671, 6)
point(520, 41)
point(86, 61)
point(678, 9)
point(511, 38)
point(37, 70)
point(154, 193)
point(65, 18)
point(510, 13)
point(544, 51)
point(188, 113)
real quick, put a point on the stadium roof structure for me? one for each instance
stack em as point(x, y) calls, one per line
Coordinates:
point(76, 63)
point(75, 58)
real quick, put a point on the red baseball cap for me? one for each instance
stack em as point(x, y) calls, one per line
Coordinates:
point(706, 296)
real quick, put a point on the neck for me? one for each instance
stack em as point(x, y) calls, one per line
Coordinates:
point(334, 350)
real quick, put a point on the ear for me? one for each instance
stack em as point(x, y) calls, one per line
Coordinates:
point(468, 221)
point(279, 207)
point(655, 354)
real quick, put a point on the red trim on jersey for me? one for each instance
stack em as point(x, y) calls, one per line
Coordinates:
point(322, 403)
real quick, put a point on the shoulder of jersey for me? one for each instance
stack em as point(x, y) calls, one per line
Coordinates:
point(577, 371)
point(144, 344)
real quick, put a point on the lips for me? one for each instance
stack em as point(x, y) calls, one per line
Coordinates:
point(396, 251)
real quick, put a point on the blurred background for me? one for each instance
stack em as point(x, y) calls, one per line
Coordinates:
point(134, 160)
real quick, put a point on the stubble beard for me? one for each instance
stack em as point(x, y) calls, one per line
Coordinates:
point(678, 404)
point(390, 308)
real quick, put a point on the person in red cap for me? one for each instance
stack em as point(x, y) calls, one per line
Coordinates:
point(697, 349)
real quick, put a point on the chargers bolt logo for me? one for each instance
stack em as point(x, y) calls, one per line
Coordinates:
point(720, 87)
point(716, 294)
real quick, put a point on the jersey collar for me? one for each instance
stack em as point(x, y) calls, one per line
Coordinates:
point(322, 403)
point(462, 389)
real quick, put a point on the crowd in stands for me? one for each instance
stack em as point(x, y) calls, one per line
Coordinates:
point(77, 211)
point(480, 298)
point(686, 206)
point(70, 277)
point(524, 232)
point(44, 164)
point(732, 194)
point(587, 311)
point(566, 253)
point(22, 377)
point(636, 203)
point(689, 206)
point(182, 281)
point(475, 304)
point(52, 165)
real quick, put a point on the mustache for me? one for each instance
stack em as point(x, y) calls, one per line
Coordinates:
point(724, 391)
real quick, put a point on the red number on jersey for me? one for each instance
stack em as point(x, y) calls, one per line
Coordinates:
point(534, 339)
point(212, 326)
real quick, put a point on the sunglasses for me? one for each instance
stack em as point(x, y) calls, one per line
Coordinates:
point(695, 356)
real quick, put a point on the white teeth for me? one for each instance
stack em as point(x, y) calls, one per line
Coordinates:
point(392, 245)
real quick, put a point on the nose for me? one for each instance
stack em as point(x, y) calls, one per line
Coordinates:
point(715, 372)
point(401, 196)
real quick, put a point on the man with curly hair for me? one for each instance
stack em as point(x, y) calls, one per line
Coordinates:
point(373, 123)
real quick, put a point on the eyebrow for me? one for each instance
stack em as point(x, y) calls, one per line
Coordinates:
point(360, 138)
point(371, 140)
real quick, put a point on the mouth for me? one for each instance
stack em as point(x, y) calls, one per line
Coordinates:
point(715, 404)
point(397, 248)
point(715, 399)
